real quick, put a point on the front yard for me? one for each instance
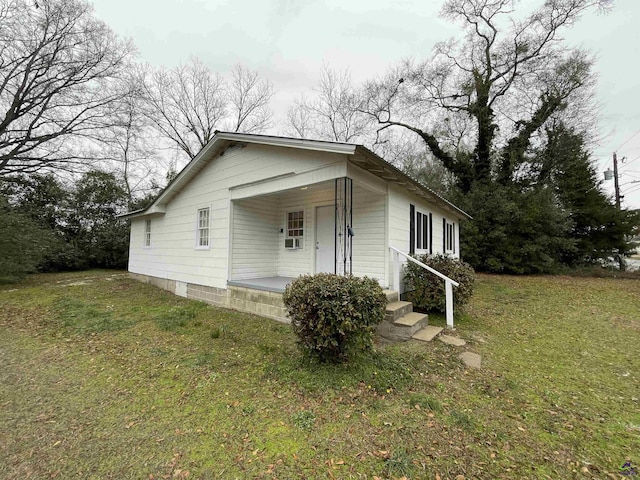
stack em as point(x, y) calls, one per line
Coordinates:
point(104, 377)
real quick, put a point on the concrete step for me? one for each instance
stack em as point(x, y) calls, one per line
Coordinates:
point(392, 295)
point(427, 334)
point(398, 309)
point(412, 322)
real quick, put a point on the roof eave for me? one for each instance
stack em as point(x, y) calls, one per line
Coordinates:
point(395, 175)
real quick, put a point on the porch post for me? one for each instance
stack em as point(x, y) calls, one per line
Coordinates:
point(448, 290)
point(396, 271)
point(343, 225)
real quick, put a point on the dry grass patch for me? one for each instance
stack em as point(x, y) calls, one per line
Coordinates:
point(104, 377)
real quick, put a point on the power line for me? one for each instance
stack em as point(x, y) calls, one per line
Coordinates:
point(630, 161)
point(628, 140)
point(633, 189)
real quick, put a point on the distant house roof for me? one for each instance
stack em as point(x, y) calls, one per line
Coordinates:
point(359, 155)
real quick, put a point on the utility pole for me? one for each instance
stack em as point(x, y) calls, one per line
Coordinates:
point(616, 185)
point(615, 179)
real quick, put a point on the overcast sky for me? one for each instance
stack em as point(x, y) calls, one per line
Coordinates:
point(287, 42)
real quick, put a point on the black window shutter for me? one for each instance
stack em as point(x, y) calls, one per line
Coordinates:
point(425, 232)
point(453, 236)
point(412, 229)
point(430, 233)
point(444, 235)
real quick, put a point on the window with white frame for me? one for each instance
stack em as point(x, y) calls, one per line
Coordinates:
point(202, 233)
point(147, 233)
point(450, 237)
point(294, 230)
point(422, 227)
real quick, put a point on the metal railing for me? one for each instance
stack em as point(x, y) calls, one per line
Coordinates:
point(448, 283)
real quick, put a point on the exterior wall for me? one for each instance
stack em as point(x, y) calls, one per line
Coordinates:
point(249, 191)
point(173, 255)
point(369, 241)
point(255, 238)
point(368, 223)
point(399, 221)
point(292, 263)
point(265, 304)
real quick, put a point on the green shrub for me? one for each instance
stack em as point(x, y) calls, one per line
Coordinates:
point(332, 314)
point(427, 290)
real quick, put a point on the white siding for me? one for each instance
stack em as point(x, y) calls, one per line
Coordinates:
point(173, 254)
point(245, 237)
point(292, 263)
point(399, 214)
point(369, 242)
point(255, 238)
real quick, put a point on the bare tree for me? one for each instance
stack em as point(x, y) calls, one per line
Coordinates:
point(128, 145)
point(56, 63)
point(249, 99)
point(500, 84)
point(331, 113)
point(186, 104)
point(189, 103)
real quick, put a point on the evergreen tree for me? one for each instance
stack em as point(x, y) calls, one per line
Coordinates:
point(515, 229)
point(101, 235)
point(600, 230)
point(23, 243)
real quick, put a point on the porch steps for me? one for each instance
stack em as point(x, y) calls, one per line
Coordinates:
point(397, 310)
point(401, 322)
point(392, 295)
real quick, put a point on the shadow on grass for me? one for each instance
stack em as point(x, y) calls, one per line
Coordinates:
point(179, 317)
point(81, 317)
point(379, 371)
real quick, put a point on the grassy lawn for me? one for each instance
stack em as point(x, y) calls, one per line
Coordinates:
point(104, 377)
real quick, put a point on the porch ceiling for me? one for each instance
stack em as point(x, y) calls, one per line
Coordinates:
point(308, 189)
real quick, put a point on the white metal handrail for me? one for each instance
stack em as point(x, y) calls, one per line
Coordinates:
point(448, 283)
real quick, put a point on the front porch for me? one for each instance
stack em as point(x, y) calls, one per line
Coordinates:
point(265, 284)
point(263, 296)
point(335, 226)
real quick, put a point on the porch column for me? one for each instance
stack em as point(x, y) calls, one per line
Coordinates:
point(343, 225)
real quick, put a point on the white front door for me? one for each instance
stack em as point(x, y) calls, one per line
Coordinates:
point(325, 239)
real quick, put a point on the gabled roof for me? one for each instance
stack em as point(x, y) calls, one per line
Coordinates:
point(358, 154)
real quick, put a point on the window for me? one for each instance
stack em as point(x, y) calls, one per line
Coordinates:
point(423, 239)
point(449, 237)
point(420, 231)
point(295, 229)
point(147, 233)
point(202, 234)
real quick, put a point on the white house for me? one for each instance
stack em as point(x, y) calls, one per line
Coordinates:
point(251, 212)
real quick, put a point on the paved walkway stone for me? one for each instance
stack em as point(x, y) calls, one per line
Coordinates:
point(471, 359)
point(455, 341)
point(427, 333)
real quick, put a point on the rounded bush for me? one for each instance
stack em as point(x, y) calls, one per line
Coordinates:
point(427, 291)
point(333, 315)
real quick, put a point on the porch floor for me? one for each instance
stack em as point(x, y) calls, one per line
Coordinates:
point(267, 284)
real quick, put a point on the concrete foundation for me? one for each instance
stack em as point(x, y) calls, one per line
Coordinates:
point(260, 302)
